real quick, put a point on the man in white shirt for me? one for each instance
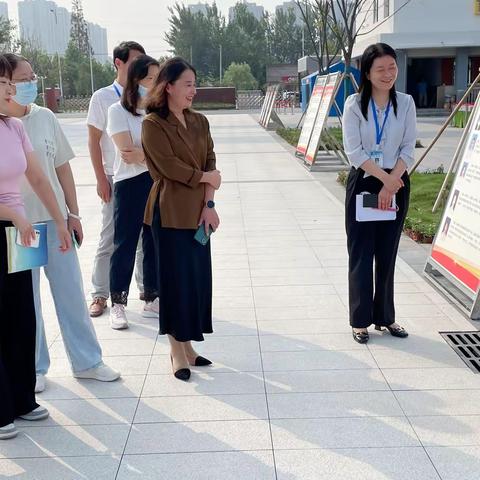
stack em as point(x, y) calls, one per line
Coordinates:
point(102, 154)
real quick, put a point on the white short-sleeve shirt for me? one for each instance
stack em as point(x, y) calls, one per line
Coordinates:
point(97, 117)
point(53, 150)
point(119, 121)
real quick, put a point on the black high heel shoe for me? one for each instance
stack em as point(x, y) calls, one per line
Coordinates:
point(360, 337)
point(201, 362)
point(182, 373)
point(399, 332)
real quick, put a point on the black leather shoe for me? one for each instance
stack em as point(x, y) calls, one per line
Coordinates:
point(182, 373)
point(399, 332)
point(360, 337)
point(202, 362)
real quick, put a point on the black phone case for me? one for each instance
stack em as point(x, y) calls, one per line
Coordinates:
point(370, 200)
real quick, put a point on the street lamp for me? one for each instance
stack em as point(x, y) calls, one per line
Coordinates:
point(58, 53)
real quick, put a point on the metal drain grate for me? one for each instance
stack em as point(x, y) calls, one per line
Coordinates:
point(467, 346)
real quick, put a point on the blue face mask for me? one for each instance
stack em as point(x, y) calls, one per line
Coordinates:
point(142, 91)
point(27, 92)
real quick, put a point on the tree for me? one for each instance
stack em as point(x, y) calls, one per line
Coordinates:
point(79, 29)
point(197, 37)
point(284, 37)
point(7, 35)
point(239, 75)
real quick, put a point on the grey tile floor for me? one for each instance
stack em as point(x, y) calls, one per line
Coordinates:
point(290, 395)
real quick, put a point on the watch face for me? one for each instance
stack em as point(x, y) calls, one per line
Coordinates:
point(210, 204)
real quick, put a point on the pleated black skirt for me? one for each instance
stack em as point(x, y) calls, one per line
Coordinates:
point(185, 282)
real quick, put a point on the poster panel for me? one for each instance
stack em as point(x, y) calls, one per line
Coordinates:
point(311, 115)
point(270, 105)
point(264, 105)
point(456, 247)
point(326, 103)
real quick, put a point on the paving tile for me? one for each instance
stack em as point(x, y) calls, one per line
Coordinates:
point(201, 408)
point(454, 463)
point(365, 380)
point(317, 360)
point(204, 383)
point(371, 432)
point(333, 404)
point(235, 345)
point(61, 468)
point(398, 463)
point(199, 437)
point(300, 343)
point(66, 441)
point(196, 466)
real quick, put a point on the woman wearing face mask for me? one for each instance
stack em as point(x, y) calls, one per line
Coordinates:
point(63, 270)
point(379, 134)
point(132, 183)
point(180, 157)
point(17, 310)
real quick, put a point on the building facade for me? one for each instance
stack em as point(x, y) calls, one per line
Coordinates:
point(4, 10)
point(285, 7)
point(437, 43)
point(256, 10)
point(46, 25)
point(198, 8)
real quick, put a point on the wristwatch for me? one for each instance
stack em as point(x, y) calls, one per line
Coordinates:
point(210, 204)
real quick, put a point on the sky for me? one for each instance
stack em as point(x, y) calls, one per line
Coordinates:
point(144, 21)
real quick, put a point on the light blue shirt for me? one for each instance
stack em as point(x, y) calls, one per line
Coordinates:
point(398, 139)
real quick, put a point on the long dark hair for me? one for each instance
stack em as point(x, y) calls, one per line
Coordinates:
point(372, 52)
point(170, 72)
point(137, 71)
point(7, 72)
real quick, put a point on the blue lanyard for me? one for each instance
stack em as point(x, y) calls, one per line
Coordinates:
point(375, 118)
point(117, 90)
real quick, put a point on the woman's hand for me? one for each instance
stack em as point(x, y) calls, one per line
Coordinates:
point(385, 199)
point(209, 218)
point(27, 233)
point(64, 236)
point(133, 156)
point(213, 178)
point(75, 228)
point(392, 183)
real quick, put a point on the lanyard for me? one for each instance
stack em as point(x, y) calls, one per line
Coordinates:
point(117, 90)
point(377, 126)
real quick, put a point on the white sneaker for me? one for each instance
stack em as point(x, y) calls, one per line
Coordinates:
point(118, 317)
point(40, 384)
point(40, 413)
point(102, 373)
point(151, 309)
point(8, 431)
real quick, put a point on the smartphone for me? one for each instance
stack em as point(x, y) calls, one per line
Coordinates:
point(370, 200)
point(202, 237)
point(34, 244)
point(76, 239)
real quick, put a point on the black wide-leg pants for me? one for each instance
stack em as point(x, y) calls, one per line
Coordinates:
point(17, 339)
point(371, 292)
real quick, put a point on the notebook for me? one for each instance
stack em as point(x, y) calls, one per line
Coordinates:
point(368, 214)
point(22, 258)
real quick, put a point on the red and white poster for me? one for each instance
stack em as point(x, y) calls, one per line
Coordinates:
point(325, 105)
point(457, 245)
point(311, 115)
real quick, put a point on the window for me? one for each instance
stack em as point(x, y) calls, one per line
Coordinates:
point(386, 8)
point(375, 11)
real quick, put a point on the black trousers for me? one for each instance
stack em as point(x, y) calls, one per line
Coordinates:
point(371, 296)
point(17, 339)
point(130, 201)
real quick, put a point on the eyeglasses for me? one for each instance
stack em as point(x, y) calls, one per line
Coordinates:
point(7, 83)
point(33, 79)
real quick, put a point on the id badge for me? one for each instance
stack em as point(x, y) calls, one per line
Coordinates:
point(377, 157)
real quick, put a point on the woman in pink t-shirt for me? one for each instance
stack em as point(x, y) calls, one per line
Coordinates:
point(17, 312)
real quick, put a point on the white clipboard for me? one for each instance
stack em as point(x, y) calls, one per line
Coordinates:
point(368, 214)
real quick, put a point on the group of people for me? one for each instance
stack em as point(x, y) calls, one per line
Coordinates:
point(151, 153)
point(154, 161)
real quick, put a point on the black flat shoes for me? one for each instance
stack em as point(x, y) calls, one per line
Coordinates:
point(182, 373)
point(399, 332)
point(201, 362)
point(360, 337)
